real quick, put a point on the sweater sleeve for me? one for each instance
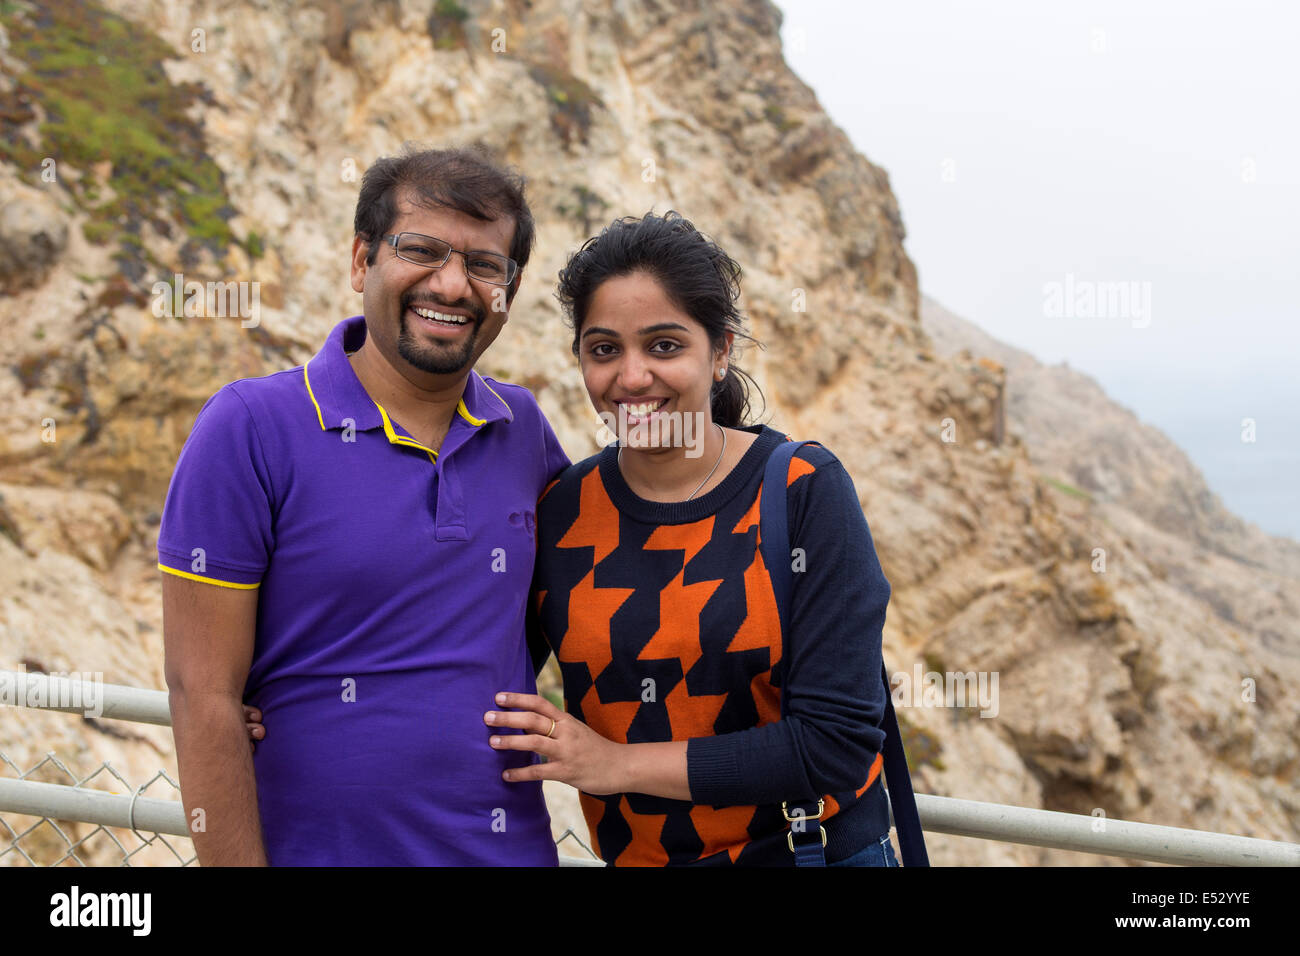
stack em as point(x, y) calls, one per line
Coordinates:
point(556, 461)
point(836, 698)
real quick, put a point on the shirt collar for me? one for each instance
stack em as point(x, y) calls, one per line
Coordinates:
point(338, 398)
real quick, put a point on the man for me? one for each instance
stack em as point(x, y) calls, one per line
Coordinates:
point(348, 547)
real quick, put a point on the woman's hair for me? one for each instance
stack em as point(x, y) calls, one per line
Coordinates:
point(696, 275)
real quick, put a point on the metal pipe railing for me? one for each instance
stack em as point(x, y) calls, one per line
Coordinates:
point(1087, 834)
point(951, 815)
point(61, 802)
point(113, 700)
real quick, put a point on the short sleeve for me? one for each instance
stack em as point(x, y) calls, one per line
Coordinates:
point(217, 521)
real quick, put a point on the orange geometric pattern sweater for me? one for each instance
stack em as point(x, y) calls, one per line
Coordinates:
point(664, 623)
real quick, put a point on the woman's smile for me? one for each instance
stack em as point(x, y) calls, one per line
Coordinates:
point(642, 410)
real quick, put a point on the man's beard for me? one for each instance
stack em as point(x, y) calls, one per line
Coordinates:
point(438, 361)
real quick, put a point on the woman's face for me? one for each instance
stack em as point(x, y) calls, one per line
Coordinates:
point(648, 366)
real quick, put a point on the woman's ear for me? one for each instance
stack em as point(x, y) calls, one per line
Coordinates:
point(724, 353)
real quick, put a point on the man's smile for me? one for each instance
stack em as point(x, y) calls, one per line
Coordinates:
point(442, 321)
point(443, 317)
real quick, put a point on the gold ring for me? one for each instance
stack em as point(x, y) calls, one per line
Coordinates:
point(552, 730)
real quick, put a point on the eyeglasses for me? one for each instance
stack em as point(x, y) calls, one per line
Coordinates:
point(434, 253)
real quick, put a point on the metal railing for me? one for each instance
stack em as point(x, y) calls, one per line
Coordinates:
point(134, 824)
point(126, 826)
point(151, 820)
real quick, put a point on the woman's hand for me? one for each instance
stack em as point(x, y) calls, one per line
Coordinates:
point(253, 724)
point(575, 753)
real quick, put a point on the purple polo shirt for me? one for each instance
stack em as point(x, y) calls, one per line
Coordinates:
point(392, 583)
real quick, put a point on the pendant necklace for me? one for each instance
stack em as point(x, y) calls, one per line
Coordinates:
point(711, 470)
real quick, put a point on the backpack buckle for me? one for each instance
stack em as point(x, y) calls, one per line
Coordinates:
point(785, 811)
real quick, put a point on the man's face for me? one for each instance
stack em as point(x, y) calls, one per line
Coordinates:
point(423, 345)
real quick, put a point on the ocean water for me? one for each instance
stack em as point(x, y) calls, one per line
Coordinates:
point(1203, 413)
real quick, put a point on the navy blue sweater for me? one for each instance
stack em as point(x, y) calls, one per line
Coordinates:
point(665, 627)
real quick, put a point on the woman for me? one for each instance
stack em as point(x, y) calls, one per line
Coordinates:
point(651, 590)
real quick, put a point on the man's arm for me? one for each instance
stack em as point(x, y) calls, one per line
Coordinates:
point(208, 634)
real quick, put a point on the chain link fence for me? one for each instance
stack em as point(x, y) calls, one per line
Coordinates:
point(571, 834)
point(46, 841)
point(60, 840)
point(51, 814)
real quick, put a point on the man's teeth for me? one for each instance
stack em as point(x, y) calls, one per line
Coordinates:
point(441, 316)
point(645, 408)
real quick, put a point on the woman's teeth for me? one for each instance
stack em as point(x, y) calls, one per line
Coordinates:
point(440, 316)
point(645, 408)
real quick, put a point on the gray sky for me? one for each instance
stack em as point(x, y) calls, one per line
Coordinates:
point(1041, 149)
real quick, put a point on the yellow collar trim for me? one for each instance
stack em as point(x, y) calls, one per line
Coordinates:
point(312, 395)
point(463, 409)
point(397, 439)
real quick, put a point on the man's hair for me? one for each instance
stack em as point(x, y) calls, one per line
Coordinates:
point(465, 178)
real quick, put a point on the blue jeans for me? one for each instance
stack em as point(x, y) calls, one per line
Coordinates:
point(876, 853)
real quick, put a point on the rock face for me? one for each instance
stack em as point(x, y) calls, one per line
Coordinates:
point(1179, 657)
point(1120, 682)
point(33, 234)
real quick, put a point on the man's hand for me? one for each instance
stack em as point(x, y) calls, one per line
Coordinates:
point(208, 634)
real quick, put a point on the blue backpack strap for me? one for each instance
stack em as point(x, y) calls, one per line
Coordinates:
point(774, 540)
point(907, 821)
point(774, 529)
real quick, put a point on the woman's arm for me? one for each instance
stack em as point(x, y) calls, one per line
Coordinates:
point(831, 735)
point(579, 756)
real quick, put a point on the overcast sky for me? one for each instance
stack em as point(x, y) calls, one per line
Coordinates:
point(1040, 149)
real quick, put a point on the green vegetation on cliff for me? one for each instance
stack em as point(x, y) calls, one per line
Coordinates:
point(103, 106)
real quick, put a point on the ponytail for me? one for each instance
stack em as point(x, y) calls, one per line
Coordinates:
point(730, 398)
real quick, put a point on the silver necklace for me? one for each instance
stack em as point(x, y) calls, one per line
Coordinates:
point(706, 477)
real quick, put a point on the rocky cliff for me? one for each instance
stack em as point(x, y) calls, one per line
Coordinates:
point(146, 138)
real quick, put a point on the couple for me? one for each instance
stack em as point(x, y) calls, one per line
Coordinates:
point(378, 550)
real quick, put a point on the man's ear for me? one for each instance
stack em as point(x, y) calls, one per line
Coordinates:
point(360, 249)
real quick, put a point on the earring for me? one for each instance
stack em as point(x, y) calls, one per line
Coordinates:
point(720, 374)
